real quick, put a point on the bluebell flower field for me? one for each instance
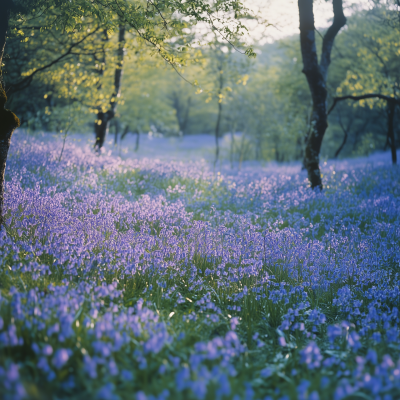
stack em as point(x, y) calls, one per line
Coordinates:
point(147, 279)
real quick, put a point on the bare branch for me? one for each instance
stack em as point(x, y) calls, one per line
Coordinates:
point(339, 20)
point(363, 97)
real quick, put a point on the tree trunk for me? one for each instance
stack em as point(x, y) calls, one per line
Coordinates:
point(233, 130)
point(103, 118)
point(316, 75)
point(5, 9)
point(125, 132)
point(342, 145)
point(116, 132)
point(391, 111)
point(8, 123)
point(217, 127)
point(186, 118)
point(137, 141)
point(101, 128)
point(391, 103)
point(8, 120)
point(346, 134)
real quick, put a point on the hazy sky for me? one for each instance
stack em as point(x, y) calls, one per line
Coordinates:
point(284, 14)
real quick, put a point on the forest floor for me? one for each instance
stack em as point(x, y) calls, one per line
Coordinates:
point(136, 277)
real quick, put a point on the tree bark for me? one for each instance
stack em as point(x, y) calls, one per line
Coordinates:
point(116, 132)
point(391, 105)
point(217, 128)
point(125, 132)
point(346, 134)
point(103, 118)
point(218, 124)
point(5, 9)
point(182, 110)
point(233, 131)
point(8, 120)
point(8, 123)
point(137, 140)
point(316, 74)
point(186, 118)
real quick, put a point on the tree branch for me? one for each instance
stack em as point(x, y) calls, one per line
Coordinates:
point(363, 97)
point(339, 20)
point(24, 83)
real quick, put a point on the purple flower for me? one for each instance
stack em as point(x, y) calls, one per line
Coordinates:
point(141, 396)
point(377, 337)
point(372, 356)
point(266, 372)
point(234, 323)
point(35, 348)
point(126, 375)
point(107, 392)
point(60, 358)
point(354, 341)
point(12, 373)
point(90, 366)
point(311, 356)
point(47, 350)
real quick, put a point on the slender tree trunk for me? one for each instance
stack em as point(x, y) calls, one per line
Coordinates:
point(346, 134)
point(391, 112)
point(8, 120)
point(217, 128)
point(218, 124)
point(341, 145)
point(233, 130)
point(242, 150)
point(104, 118)
point(316, 74)
point(101, 128)
point(125, 132)
point(137, 141)
point(318, 92)
point(186, 118)
point(391, 103)
point(116, 131)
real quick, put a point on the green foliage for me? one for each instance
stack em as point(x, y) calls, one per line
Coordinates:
point(266, 101)
point(372, 57)
point(154, 23)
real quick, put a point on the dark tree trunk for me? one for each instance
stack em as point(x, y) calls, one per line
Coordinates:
point(391, 106)
point(125, 132)
point(316, 74)
point(342, 144)
point(218, 124)
point(103, 118)
point(101, 128)
point(233, 130)
point(8, 120)
point(182, 110)
point(217, 128)
point(137, 141)
point(5, 9)
point(116, 131)
point(346, 134)
point(8, 123)
point(183, 127)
